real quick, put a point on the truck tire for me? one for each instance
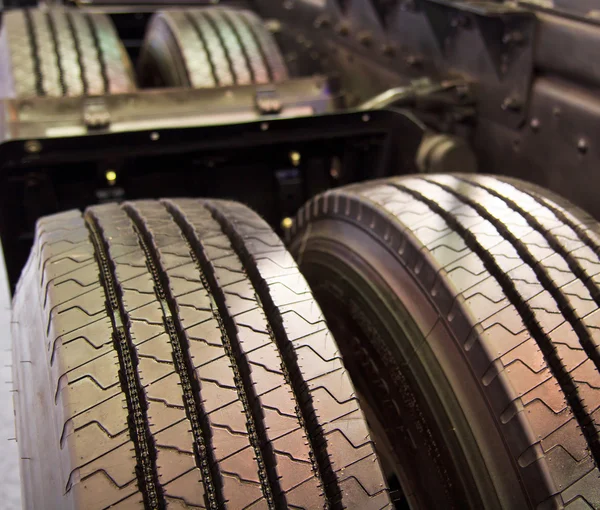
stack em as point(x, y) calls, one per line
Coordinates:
point(210, 47)
point(466, 311)
point(61, 52)
point(170, 353)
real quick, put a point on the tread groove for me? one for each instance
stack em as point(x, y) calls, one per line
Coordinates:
point(203, 448)
point(260, 47)
point(319, 456)
point(98, 46)
point(225, 16)
point(581, 233)
point(202, 39)
point(208, 17)
point(57, 52)
point(35, 54)
point(573, 264)
point(258, 438)
point(564, 378)
point(139, 430)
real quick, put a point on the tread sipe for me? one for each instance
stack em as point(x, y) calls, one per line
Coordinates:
point(171, 354)
point(467, 304)
point(210, 47)
point(57, 52)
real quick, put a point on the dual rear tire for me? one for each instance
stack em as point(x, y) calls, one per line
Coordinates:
point(466, 310)
point(56, 52)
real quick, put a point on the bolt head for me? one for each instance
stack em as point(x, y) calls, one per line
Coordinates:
point(365, 38)
point(582, 145)
point(343, 29)
point(323, 22)
point(414, 60)
point(388, 50)
point(512, 104)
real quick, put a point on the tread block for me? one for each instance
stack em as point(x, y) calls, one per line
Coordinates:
point(516, 289)
point(172, 382)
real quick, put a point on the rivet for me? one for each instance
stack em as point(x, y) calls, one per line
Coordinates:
point(535, 124)
point(388, 50)
point(273, 26)
point(514, 37)
point(414, 60)
point(365, 38)
point(154, 136)
point(582, 145)
point(323, 22)
point(343, 29)
point(512, 104)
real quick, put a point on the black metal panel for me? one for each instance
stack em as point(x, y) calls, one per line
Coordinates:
point(569, 48)
point(559, 148)
point(490, 43)
point(242, 161)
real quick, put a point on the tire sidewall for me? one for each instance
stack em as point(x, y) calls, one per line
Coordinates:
point(352, 270)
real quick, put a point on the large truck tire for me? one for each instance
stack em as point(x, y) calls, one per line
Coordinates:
point(171, 354)
point(210, 47)
point(466, 309)
point(56, 52)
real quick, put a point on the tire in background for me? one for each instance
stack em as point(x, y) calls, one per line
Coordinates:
point(171, 353)
point(466, 310)
point(210, 47)
point(61, 52)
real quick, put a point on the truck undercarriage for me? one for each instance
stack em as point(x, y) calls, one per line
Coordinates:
point(429, 166)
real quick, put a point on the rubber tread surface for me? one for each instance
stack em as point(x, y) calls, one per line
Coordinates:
point(514, 272)
point(215, 46)
point(180, 361)
point(62, 52)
